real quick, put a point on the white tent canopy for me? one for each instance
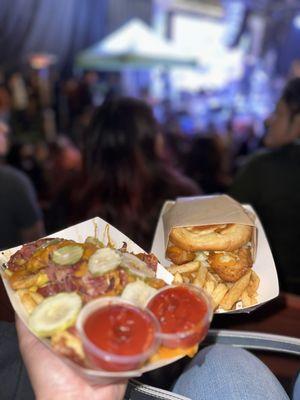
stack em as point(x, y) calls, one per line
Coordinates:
point(133, 45)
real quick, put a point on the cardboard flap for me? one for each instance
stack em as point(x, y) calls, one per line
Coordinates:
point(207, 210)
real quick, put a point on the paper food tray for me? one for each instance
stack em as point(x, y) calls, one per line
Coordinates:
point(98, 228)
point(264, 264)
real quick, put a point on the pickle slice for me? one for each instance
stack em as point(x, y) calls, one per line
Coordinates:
point(67, 255)
point(55, 314)
point(104, 260)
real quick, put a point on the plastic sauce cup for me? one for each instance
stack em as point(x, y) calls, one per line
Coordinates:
point(116, 335)
point(184, 313)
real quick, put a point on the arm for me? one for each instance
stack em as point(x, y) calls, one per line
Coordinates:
point(27, 212)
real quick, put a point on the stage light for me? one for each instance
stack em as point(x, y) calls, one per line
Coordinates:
point(297, 21)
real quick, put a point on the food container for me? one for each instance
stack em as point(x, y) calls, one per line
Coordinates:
point(106, 233)
point(206, 210)
point(184, 313)
point(116, 335)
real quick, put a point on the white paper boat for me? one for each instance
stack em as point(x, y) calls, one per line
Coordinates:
point(264, 264)
point(98, 228)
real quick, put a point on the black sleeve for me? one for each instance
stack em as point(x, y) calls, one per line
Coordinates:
point(15, 384)
point(246, 185)
point(26, 209)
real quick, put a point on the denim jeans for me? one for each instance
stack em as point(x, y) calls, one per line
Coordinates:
point(222, 372)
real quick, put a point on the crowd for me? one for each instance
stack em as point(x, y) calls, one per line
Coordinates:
point(114, 160)
point(123, 169)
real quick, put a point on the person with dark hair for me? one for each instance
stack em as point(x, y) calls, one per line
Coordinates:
point(126, 175)
point(270, 181)
point(20, 214)
point(206, 164)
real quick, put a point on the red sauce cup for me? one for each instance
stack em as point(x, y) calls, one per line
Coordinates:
point(184, 313)
point(116, 335)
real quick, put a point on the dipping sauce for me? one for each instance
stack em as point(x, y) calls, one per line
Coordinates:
point(184, 314)
point(119, 337)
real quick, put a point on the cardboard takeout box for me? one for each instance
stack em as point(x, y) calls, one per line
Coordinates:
point(220, 209)
point(101, 229)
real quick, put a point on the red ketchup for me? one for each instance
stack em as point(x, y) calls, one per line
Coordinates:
point(184, 314)
point(119, 337)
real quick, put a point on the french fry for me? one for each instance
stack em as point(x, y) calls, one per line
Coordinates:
point(27, 300)
point(27, 281)
point(201, 276)
point(212, 278)
point(177, 278)
point(253, 299)
point(38, 298)
point(218, 293)
point(253, 284)
point(188, 267)
point(23, 282)
point(246, 299)
point(209, 286)
point(235, 292)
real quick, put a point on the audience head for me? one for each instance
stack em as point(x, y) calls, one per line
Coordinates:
point(284, 123)
point(4, 139)
point(123, 133)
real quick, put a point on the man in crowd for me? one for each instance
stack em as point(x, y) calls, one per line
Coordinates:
point(270, 182)
point(20, 215)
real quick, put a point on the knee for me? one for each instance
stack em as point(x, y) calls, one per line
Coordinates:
point(228, 372)
point(222, 354)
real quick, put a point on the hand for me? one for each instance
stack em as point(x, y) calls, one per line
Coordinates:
point(52, 379)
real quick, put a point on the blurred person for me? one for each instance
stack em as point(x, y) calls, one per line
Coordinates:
point(22, 156)
point(5, 104)
point(126, 177)
point(269, 182)
point(19, 92)
point(237, 374)
point(61, 168)
point(4, 141)
point(206, 164)
point(20, 215)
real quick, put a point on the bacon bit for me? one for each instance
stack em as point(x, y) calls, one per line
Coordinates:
point(18, 260)
point(123, 249)
point(155, 283)
point(150, 259)
point(50, 290)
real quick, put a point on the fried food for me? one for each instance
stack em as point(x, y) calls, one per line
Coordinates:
point(218, 294)
point(231, 266)
point(253, 284)
point(179, 256)
point(227, 276)
point(201, 276)
point(235, 292)
point(188, 267)
point(226, 237)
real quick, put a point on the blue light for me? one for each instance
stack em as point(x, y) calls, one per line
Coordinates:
point(297, 21)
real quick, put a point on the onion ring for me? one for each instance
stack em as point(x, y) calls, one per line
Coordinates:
point(228, 237)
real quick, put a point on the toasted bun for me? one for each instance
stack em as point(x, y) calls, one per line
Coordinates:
point(227, 237)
